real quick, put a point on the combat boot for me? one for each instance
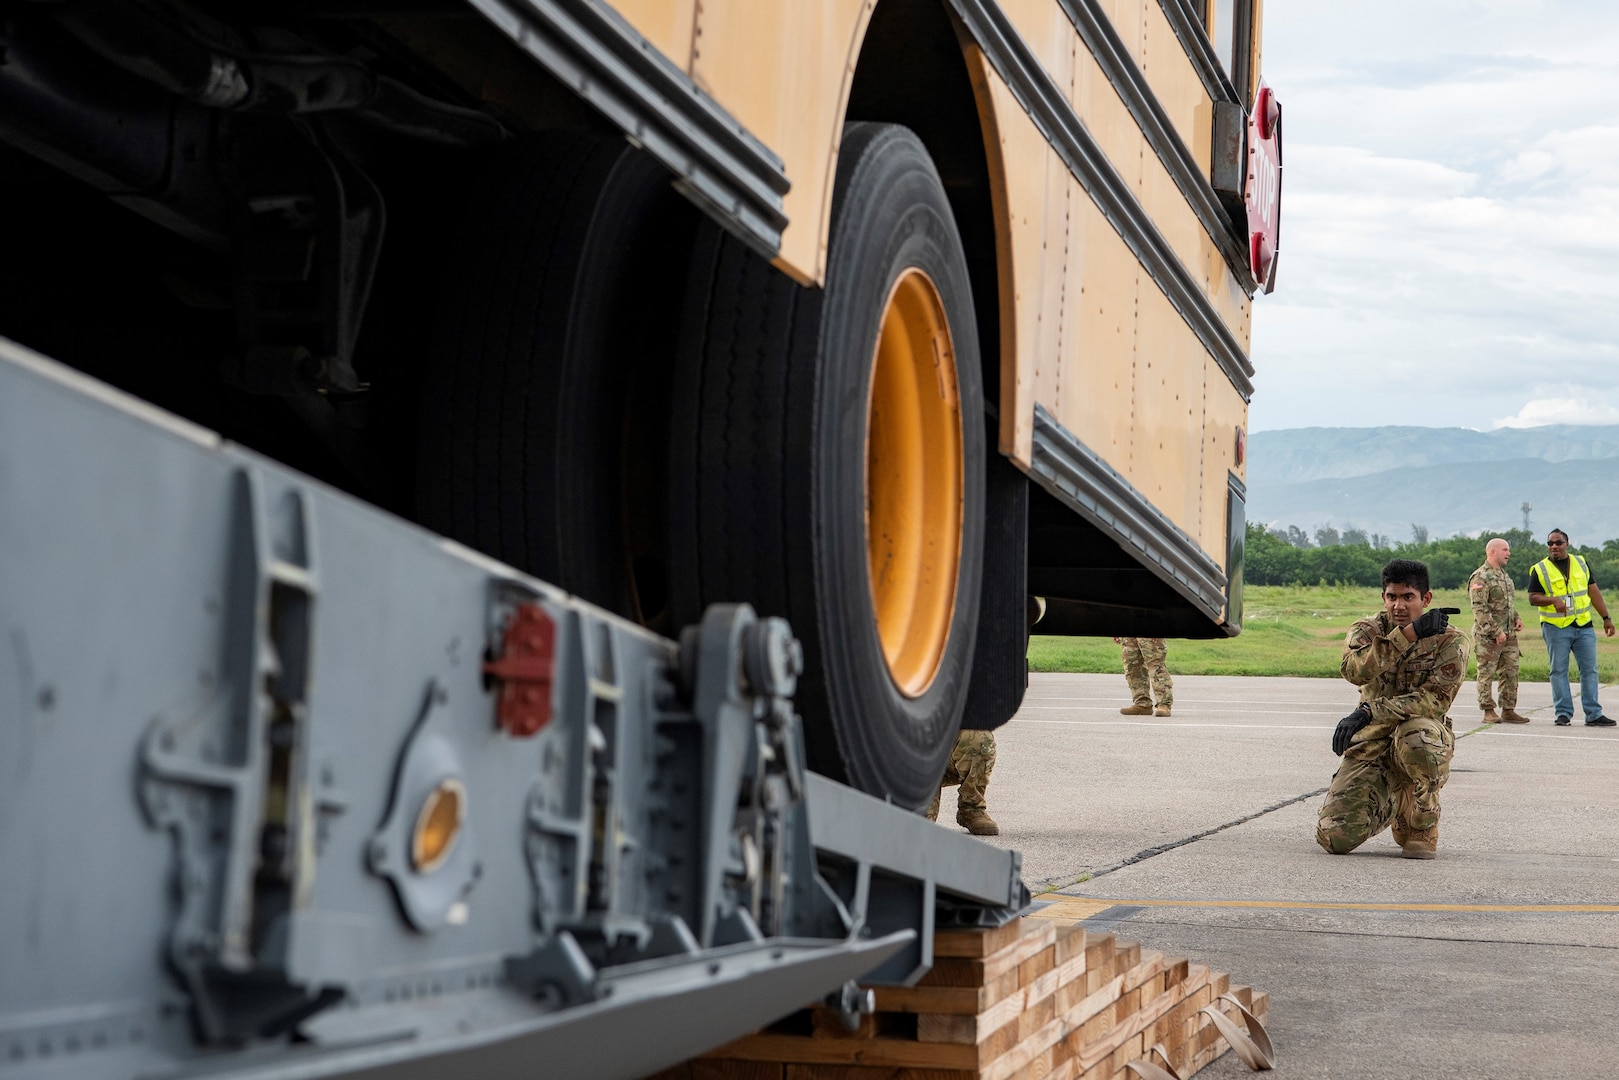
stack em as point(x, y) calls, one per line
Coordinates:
point(1137, 710)
point(1162, 710)
point(1421, 845)
point(1490, 717)
point(1513, 716)
point(977, 822)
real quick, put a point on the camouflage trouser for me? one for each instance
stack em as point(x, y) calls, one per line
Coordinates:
point(971, 762)
point(1498, 662)
point(1391, 777)
point(1143, 666)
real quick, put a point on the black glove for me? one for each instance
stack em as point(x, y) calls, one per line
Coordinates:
point(1434, 621)
point(1348, 726)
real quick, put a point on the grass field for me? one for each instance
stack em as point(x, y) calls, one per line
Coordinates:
point(1297, 631)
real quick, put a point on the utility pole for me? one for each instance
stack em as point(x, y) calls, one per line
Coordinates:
point(1526, 507)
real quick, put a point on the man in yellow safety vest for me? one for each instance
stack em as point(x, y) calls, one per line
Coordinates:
point(1560, 586)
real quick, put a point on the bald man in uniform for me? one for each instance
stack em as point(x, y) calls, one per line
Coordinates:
point(1496, 625)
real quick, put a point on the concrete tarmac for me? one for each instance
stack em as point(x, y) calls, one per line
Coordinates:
point(1195, 834)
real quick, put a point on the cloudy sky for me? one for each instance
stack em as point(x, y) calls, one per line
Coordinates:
point(1450, 214)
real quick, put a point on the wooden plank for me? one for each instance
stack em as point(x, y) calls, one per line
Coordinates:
point(1036, 1016)
point(953, 971)
point(1040, 998)
point(1009, 1063)
point(1151, 964)
point(1000, 1043)
point(702, 1069)
point(976, 944)
point(1114, 965)
point(1037, 1069)
point(1132, 1048)
point(872, 1072)
point(902, 1053)
point(1172, 1028)
point(1098, 950)
point(967, 1030)
point(1091, 1031)
point(1070, 943)
point(1087, 1005)
point(828, 1024)
point(1037, 965)
point(955, 1000)
point(1127, 1033)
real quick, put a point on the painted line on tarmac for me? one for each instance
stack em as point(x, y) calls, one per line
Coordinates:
point(1087, 904)
point(1177, 724)
point(1318, 710)
point(1106, 922)
point(1111, 702)
point(1559, 738)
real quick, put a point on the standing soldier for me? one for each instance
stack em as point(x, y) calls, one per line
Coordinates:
point(1495, 631)
point(1397, 744)
point(971, 762)
point(973, 759)
point(1144, 666)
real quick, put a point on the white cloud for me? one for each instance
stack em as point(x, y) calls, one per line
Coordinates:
point(1543, 411)
point(1450, 218)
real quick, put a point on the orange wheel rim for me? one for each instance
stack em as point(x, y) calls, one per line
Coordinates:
point(914, 482)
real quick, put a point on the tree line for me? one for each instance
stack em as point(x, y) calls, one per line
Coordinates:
point(1352, 557)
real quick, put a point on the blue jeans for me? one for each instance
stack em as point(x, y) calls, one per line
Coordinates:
point(1582, 642)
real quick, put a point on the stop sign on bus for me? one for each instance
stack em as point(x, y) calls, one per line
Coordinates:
point(1263, 190)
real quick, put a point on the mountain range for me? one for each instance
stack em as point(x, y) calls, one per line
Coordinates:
point(1449, 480)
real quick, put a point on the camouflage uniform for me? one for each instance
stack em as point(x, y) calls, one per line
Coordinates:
point(1143, 665)
point(971, 762)
point(1491, 592)
point(1395, 765)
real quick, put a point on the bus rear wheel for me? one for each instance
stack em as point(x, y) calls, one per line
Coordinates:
point(827, 464)
point(544, 388)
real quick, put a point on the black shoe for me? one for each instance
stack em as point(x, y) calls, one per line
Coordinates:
point(1561, 721)
point(1601, 721)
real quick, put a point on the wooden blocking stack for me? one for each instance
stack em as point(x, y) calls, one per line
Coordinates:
point(1031, 1000)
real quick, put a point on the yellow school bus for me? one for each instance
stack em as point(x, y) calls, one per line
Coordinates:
point(880, 315)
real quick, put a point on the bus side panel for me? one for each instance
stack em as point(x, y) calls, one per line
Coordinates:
point(1098, 381)
point(1064, 248)
point(1038, 221)
point(1091, 336)
point(1166, 456)
point(1224, 414)
point(1235, 306)
point(1126, 16)
point(1175, 83)
point(784, 70)
point(668, 24)
point(1018, 186)
point(1126, 148)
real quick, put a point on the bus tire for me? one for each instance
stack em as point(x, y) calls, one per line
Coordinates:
point(827, 464)
point(551, 319)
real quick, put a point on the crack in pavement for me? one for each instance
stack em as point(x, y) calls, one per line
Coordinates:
point(1054, 884)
